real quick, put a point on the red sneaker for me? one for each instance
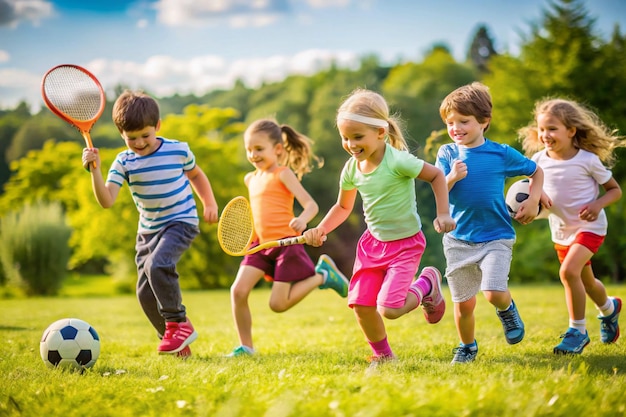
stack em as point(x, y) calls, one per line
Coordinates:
point(177, 336)
point(185, 353)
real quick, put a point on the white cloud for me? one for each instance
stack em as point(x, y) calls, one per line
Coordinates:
point(12, 12)
point(4, 56)
point(235, 13)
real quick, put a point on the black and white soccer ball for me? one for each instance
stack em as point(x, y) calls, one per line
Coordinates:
point(70, 343)
point(517, 193)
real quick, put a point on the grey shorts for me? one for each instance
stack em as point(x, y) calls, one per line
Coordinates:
point(473, 267)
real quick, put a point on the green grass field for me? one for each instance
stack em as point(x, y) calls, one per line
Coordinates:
point(310, 362)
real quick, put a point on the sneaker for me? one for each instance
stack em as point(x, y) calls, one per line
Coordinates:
point(185, 353)
point(464, 354)
point(433, 304)
point(573, 342)
point(512, 324)
point(609, 328)
point(376, 361)
point(177, 336)
point(333, 278)
point(241, 351)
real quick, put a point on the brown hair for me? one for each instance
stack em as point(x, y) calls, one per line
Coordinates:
point(134, 110)
point(298, 155)
point(370, 104)
point(591, 134)
point(469, 100)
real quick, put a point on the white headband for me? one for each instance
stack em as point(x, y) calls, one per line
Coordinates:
point(363, 119)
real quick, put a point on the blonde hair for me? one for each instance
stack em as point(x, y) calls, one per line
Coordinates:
point(591, 134)
point(298, 155)
point(370, 104)
point(469, 100)
point(135, 110)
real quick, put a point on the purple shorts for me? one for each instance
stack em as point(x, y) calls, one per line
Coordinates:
point(283, 264)
point(383, 271)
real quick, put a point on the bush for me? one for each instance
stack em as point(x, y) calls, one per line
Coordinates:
point(34, 248)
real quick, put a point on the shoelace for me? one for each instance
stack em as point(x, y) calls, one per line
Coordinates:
point(511, 321)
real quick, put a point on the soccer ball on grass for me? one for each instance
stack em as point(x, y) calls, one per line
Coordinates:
point(70, 343)
point(517, 193)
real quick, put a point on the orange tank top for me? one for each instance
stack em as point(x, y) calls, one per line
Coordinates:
point(272, 206)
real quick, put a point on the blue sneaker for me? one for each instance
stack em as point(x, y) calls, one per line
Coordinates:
point(241, 351)
point(609, 328)
point(512, 324)
point(464, 353)
point(573, 342)
point(333, 278)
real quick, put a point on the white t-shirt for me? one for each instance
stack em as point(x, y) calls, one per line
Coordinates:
point(571, 185)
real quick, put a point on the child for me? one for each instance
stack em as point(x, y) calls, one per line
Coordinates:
point(159, 173)
point(478, 252)
point(281, 156)
point(571, 145)
point(389, 251)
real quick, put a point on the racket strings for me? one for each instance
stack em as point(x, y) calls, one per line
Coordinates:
point(235, 231)
point(74, 93)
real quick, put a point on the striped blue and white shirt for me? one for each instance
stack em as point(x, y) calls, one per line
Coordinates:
point(158, 184)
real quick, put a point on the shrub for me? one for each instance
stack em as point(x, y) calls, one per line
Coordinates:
point(34, 248)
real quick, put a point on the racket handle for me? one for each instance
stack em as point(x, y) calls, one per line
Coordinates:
point(89, 144)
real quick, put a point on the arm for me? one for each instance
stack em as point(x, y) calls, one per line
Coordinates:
point(106, 193)
point(201, 185)
point(612, 193)
point(310, 207)
point(335, 216)
point(529, 208)
point(438, 182)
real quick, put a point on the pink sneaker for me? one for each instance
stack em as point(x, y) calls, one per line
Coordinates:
point(433, 304)
point(177, 336)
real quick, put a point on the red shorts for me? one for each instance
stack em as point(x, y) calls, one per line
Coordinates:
point(282, 264)
point(589, 240)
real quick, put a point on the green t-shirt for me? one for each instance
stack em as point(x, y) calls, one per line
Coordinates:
point(388, 194)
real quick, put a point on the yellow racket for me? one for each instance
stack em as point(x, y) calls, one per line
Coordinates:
point(235, 230)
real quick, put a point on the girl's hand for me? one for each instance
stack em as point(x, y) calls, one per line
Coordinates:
point(210, 214)
point(315, 237)
point(589, 213)
point(444, 223)
point(297, 224)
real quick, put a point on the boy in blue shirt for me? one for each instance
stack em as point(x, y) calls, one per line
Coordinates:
point(479, 251)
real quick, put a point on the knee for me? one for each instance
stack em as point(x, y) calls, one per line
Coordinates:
point(389, 313)
point(277, 306)
point(238, 294)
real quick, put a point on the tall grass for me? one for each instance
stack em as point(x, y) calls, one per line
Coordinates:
point(310, 362)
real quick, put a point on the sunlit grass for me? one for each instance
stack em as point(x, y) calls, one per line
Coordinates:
point(310, 362)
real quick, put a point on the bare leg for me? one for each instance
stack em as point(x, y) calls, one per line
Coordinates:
point(286, 295)
point(465, 321)
point(247, 278)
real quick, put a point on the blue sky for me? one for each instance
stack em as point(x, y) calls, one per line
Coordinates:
point(194, 46)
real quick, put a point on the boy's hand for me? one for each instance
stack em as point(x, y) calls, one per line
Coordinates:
point(458, 171)
point(209, 214)
point(444, 223)
point(90, 155)
point(527, 211)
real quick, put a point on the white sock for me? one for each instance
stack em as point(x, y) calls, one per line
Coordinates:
point(608, 308)
point(580, 325)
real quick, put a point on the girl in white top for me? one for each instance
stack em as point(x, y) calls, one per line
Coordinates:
point(575, 149)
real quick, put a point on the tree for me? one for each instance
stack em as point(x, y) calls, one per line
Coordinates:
point(481, 49)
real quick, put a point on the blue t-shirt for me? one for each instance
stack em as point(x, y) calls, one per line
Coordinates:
point(477, 201)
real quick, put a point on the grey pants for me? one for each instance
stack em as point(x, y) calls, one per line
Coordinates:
point(158, 288)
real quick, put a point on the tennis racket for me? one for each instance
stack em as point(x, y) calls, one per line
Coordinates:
point(76, 96)
point(235, 230)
